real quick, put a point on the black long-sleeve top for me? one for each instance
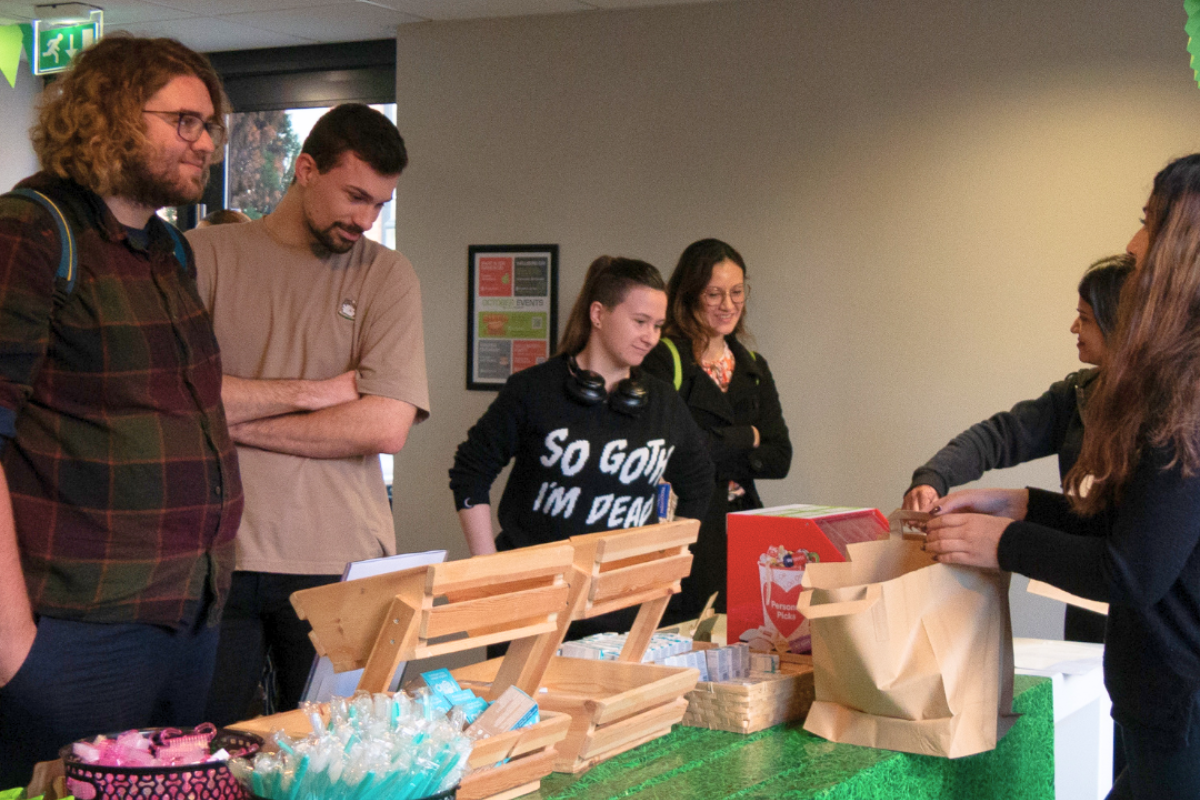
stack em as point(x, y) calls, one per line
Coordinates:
point(729, 418)
point(579, 469)
point(1143, 558)
point(1047, 425)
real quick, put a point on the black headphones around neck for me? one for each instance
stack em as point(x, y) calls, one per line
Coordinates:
point(585, 387)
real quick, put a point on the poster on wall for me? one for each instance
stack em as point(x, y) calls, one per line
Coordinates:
point(512, 310)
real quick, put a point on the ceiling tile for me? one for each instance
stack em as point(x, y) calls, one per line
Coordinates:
point(132, 13)
point(15, 12)
point(475, 9)
point(117, 12)
point(345, 22)
point(214, 8)
point(246, 24)
point(210, 35)
point(613, 4)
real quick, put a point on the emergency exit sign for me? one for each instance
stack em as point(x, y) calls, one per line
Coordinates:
point(58, 42)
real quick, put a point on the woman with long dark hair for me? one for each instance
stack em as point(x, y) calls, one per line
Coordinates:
point(1048, 425)
point(590, 435)
point(1128, 529)
point(731, 393)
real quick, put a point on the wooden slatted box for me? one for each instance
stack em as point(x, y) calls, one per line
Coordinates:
point(518, 597)
point(615, 706)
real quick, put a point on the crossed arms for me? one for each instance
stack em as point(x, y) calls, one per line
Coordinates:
point(315, 419)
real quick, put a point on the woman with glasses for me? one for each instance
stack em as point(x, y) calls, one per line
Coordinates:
point(732, 397)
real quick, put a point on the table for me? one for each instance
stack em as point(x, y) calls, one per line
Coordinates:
point(1083, 741)
point(788, 763)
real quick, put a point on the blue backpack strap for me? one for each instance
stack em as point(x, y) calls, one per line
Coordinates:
point(68, 261)
point(177, 238)
point(677, 361)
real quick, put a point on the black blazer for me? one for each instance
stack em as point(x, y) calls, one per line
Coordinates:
point(726, 417)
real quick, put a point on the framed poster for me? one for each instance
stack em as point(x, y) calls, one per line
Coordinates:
point(512, 310)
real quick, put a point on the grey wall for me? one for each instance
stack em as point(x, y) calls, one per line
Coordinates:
point(916, 188)
point(16, 115)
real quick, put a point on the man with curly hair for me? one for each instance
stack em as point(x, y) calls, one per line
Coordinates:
point(120, 494)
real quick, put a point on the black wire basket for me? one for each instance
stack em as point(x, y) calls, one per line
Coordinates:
point(210, 781)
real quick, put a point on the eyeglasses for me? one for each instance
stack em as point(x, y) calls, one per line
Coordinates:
point(190, 126)
point(713, 298)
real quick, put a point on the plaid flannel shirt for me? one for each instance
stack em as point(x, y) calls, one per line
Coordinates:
point(123, 476)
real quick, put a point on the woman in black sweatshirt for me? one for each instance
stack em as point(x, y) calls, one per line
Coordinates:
point(591, 437)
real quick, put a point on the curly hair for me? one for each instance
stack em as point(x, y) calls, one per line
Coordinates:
point(90, 122)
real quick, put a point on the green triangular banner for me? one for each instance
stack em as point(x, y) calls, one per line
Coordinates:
point(1192, 27)
point(27, 35)
point(11, 44)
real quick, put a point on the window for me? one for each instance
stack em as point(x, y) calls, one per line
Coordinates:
point(261, 153)
point(278, 94)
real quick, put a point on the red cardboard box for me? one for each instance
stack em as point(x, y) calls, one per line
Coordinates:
point(768, 550)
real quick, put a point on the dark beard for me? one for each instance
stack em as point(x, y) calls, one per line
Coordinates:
point(141, 185)
point(327, 240)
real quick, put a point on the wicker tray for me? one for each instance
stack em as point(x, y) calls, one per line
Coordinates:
point(771, 699)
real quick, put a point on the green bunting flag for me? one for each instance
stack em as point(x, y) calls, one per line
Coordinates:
point(12, 41)
point(1192, 7)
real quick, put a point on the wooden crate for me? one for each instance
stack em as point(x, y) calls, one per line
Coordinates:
point(530, 752)
point(374, 623)
point(614, 705)
point(771, 699)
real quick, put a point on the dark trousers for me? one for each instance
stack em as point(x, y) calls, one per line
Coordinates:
point(82, 679)
point(1154, 772)
point(259, 620)
point(1081, 625)
point(710, 560)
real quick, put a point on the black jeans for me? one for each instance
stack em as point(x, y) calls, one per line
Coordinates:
point(82, 679)
point(259, 620)
point(1155, 772)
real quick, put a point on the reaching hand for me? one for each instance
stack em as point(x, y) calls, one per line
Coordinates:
point(1010, 503)
point(970, 539)
point(920, 498)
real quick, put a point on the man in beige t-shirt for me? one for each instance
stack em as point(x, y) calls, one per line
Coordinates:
point(324, 361)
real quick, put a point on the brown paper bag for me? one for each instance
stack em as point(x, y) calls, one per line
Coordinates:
point(909, 654)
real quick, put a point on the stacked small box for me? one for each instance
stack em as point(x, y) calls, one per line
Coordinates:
point(758, 701)
point(608, 646)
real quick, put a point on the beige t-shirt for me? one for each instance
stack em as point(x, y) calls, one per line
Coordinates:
point(284, 312)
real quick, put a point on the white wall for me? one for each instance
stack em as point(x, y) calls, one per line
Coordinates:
point(16, 117)
point(916, 188)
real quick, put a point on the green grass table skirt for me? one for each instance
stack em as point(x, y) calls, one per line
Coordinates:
point(788, 763)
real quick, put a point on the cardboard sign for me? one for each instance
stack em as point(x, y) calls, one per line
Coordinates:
point(769, 550)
